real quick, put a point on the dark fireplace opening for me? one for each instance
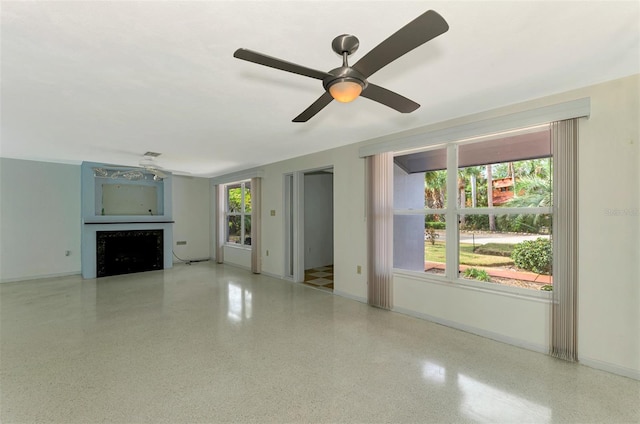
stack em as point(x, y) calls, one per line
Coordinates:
point(125, 252)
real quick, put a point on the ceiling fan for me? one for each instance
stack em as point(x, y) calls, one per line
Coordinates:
point(346, 83)
point(149, 163)
point(147, 166)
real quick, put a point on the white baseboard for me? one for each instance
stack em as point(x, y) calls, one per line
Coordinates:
point(246, 268)
point(176, 261)
point(38, 277)
point(477, 331)
point(609, 367)
point(350, 296)
point(279, 277)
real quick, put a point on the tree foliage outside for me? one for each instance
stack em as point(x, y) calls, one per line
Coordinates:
point(533, 188)
point(235, 199)
point(235, 213)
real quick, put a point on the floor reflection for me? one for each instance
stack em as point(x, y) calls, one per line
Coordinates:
point(483, 403)
point(239, 303)
point(434, 372)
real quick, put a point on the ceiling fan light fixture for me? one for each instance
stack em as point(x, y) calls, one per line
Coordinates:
point(345, 90)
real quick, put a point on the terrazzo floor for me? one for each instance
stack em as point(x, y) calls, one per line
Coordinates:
point(212, 343)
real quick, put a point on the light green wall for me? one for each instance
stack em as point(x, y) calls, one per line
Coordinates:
point(39, 219)
point(191, 211)
point(349, 220)
point(609, 251)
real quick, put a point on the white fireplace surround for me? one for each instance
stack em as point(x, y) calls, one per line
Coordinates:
point(93, 221)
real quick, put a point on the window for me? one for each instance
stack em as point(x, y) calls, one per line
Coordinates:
point(477, 211)
point(238, 213)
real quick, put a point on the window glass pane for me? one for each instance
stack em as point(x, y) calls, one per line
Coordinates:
point(234, 228)
point(408, 242)
point(420, 180)
point(525, 183)
point(247, 197)
point(234, 198)
point(247, 230)
point(435, 191)
point(419, 245)
point(518, 253)
point(435, 252)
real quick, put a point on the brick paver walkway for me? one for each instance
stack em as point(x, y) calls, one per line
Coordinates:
point(498, 272)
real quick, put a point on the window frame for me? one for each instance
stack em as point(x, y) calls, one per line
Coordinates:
point(242, 213)
point(452, 212)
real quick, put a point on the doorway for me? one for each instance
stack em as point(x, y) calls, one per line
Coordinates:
point(318, 228)
point(308, 215)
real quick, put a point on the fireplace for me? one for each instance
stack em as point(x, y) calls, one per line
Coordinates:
point(128, 251)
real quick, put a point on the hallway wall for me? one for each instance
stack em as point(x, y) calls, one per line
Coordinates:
point(318, 220)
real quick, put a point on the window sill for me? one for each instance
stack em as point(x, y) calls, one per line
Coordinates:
point(481, 286)
point(237, 246)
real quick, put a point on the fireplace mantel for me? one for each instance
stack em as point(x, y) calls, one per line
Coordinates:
point(128, 222)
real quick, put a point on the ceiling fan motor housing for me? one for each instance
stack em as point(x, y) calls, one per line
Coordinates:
point(344, 73)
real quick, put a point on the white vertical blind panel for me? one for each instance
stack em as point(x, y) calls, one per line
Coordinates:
point(380, 230)
point(564, 136)
point(256, 221)
point(220, 221)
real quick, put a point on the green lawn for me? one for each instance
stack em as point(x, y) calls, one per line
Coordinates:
point(436, 253)
point(495, 249)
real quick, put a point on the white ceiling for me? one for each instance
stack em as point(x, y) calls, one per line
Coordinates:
point(108, 81)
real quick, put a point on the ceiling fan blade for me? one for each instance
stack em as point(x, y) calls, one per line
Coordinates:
point(272, 62)
point(315, 107)
point(159, 173)
point(417, 32)
point(389, 98)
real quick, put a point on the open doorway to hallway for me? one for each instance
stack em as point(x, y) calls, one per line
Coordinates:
point(318, 228)
point(308, 215)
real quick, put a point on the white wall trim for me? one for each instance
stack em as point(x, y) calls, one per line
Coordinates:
point(479, 286)
point(38, 277)
point(429, 135)
point(350, 296)
point(237, 246)
point(189, 261)
point(279, 277)
point(609, 367)
point(477, 331)
point(247, 174)
point(243, 267)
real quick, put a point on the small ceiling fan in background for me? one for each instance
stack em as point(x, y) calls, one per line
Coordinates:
point(346, 83)
point(147, 165)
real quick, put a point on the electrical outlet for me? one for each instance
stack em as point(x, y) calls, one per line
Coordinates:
point(267, 252)
point(358, 269)
point(181, 243)
point(273, 212)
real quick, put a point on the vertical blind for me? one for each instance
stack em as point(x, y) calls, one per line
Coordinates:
point(256, 213)
point(219, 222)
point(564, 139)
point(380, 230)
